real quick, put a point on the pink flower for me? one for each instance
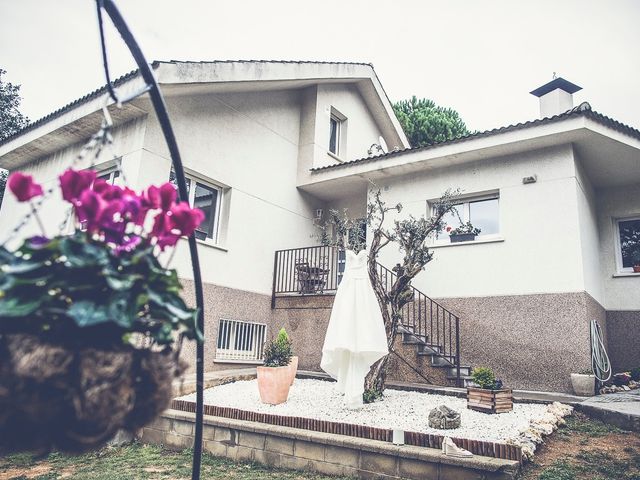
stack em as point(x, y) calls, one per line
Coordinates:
point(185, 219)
point(162, 231)
point(73, 183)
point(168, 196)
point(151, 198)
point(448, 229)
point(89, 208)
point(23, 186)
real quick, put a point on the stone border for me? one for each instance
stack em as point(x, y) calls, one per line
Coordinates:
point(477, 447)
point(326, 453)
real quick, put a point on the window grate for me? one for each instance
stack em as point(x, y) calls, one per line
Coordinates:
point(240, 341)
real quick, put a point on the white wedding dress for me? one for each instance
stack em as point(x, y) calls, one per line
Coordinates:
point(355, 337)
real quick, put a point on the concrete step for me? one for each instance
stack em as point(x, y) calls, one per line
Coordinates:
point(413, 338)
point(443, 361)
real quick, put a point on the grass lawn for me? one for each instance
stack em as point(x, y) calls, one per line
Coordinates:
point(586, 449)
point(136, 461)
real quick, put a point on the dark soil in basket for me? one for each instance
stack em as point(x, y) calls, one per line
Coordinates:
point(76, 398)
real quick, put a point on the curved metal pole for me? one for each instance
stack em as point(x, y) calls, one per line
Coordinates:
point(163, 117)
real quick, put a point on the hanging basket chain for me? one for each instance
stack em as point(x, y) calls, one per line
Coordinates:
point(96, 144)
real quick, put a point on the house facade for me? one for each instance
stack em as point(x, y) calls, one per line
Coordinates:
point(270, 147)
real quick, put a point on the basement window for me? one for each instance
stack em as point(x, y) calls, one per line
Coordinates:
point(240, 341)
point(627, 244)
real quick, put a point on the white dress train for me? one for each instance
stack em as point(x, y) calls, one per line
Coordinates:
point(355, 337)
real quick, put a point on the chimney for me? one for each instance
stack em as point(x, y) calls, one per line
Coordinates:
point(556, 97)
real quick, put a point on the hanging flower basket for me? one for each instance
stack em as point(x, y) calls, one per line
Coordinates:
point(91, 323)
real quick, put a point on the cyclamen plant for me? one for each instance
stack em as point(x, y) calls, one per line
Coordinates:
point(104, 281)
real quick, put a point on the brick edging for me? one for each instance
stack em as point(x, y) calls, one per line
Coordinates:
point(477, 447)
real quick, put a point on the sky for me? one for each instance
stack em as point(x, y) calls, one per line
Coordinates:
point(480, 57)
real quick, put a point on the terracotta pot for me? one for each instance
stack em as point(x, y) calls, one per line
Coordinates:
point(636, 268)
point(274, 384)
point(293, 366)
point(583, 384)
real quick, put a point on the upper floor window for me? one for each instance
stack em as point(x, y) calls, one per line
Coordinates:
point(483, 213)
point(628, 244)
point(207, 197)
point(337, 132)
point(110, 175)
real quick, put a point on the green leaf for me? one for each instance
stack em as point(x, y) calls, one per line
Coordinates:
point(123, 282)
point(86, 313)
point(18, 307)
point(22, 267)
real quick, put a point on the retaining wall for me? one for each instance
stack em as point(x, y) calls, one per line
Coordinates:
point(329, 454)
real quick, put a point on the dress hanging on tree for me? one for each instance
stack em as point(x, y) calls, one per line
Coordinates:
point(356, 336)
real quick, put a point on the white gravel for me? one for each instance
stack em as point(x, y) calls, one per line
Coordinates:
point(408, 411)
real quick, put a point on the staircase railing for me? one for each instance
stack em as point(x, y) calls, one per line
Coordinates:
point(429, 321)
point(318, 270)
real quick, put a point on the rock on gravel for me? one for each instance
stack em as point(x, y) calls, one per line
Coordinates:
point(408, 411)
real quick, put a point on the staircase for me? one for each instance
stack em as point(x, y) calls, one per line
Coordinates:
point(427, 345)
point(433, 332)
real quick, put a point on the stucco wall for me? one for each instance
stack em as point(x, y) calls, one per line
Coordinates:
point(247, 143)
point(620, 292)
point(539, 249)
point(127, 144)
point(589, 234)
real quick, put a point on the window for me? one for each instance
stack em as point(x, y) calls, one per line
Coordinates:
point(337, 132)
point(628, 243)
point(483, 212)
point(240, 341)
point(110, 175)
point(207, 198)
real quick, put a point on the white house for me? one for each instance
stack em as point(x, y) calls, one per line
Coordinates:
point(271, 146)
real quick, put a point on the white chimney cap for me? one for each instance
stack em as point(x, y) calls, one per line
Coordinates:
point(556, 97)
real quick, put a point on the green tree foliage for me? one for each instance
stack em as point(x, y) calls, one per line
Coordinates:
point(11, 120)
point(425, 123)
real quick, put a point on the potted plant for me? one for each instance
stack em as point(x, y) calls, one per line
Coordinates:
point(466, 232)
point(488, 396)
point(275, 377)
point(631, 247)
point(89, 321)
point(584, 383)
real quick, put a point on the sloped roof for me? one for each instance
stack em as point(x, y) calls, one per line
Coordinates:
point(124, 78)
point(584, 109)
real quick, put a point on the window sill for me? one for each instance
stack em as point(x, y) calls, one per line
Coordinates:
point(626, 274)
point(243, 362)
point(472, 242)
point(334, 156)
point(209, 244)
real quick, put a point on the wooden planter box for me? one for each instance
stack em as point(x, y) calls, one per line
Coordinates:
point(490, 401)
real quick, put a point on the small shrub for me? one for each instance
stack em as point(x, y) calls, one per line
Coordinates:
point(278, 352)
point(635, 374)
point(371, 395)
point(484, 378)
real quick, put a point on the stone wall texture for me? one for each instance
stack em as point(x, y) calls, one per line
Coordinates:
point(533, 342)
point(328, 454)
point(623, 329)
